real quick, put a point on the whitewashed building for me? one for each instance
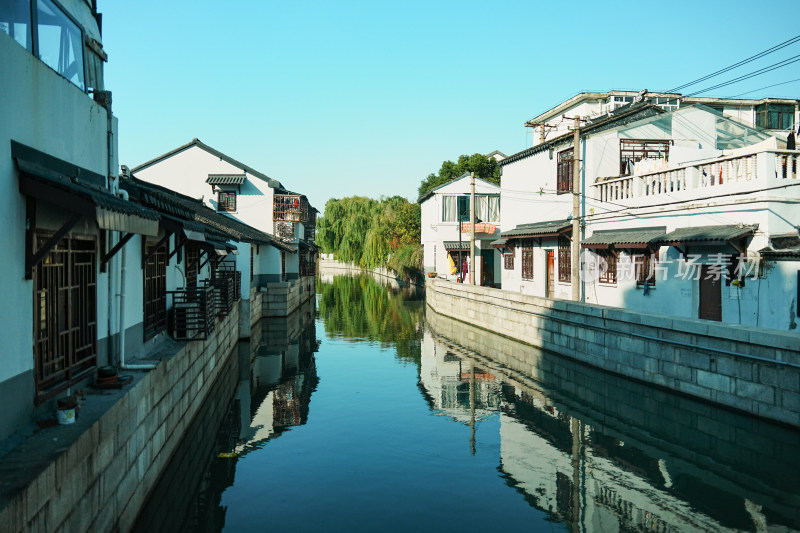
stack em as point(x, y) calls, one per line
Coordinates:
point(446, 239)
point(685, 209)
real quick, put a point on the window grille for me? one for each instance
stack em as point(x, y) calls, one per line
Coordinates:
point(608, 267)
point(226, 201)
point(564, 260)
point(155, 291)
point(65, 320)
point(527, 260)
point(565, 169)
point(508, 260)
point(645, 268)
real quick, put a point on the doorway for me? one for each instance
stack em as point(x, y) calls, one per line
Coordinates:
point(550, 289)
point(710, 294)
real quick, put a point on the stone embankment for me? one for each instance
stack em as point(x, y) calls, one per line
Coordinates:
point(750, 369)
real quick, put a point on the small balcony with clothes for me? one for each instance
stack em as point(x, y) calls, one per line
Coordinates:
point(290, 208)
point(746, 171)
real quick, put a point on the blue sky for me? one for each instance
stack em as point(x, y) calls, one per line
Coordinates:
point(346, 98)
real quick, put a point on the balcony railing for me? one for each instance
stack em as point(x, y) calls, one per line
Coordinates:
point(289, 208)
point(751, 172)
point(192, 313)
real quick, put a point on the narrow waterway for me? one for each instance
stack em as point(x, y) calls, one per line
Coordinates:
point(365, 412)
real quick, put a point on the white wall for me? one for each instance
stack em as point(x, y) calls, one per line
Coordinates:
point(186, 172)
point(45, 111)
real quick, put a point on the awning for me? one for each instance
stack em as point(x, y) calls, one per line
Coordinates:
point(79, 191)
point(553, 228)
point(226, 179)
point(456, 246)
point(499, 243)
point(706, 235)
point(623, 239)
point(220, 248)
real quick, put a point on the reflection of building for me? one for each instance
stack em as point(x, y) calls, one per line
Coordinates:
point(607, 454)
point(275, 395)
point(453, 385)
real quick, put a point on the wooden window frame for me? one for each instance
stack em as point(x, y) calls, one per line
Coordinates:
point(564, 260)
point(611, 258)
point(226, 201)
point(527, 260)
point(154, 290)
point(564, 171)
point(65, 314)
point(508, 259)
point(646, 263)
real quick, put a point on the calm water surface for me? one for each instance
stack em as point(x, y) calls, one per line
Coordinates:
point(363, 414)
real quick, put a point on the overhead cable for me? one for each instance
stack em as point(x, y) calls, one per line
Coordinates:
point(758, 72)
point(740, 63)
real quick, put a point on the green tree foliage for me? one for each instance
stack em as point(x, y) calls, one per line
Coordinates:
point(486, 168)
point(373, 233)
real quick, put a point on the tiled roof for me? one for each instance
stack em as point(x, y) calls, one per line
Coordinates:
point(621, 237)
point(226, 179)
point(538, 229)
point(720, 234)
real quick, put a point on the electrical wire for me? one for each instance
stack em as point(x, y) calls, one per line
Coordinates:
point(767, 87)
point(774, 66)
point(740, 63)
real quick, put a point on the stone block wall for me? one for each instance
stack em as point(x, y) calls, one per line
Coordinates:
point(100, 481)
point(751, 369)
point(281, 299)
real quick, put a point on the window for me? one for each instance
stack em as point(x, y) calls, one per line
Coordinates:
point(565, 171)
point(508, 259)
point(608, 267)
point(775, 116)
point(155, 290)
point(645, 268)
point(634, 150)
point(226, 201)
point(60, 42)
point(65, 313)
point(564, 260)
point(15, 20)
point(667, 104)
point(57, 39)
point(619, 101)
point(527, 259)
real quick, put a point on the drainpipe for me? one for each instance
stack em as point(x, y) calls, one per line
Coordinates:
point(148, 366)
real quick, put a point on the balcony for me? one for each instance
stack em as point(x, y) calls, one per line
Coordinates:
point(751, 172)
point(290, 208)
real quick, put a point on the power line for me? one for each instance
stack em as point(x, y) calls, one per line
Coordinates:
point(767, 87)
point(740, 63)
point(758, 72)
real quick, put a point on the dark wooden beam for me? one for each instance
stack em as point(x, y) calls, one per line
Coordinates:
point(105, 258)
point(37, 257)
point(145, 256)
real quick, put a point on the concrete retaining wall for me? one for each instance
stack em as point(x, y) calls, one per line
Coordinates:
point(751, 369)
point(281, 299)
point(120, 444)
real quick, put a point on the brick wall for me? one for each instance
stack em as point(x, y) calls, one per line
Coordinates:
point(100, 481)
point(751, 369)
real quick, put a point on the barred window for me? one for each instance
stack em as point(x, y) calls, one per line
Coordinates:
point(646, 268)
point(608, 267)
point(527, 260)
point(564, 260)
point(508, 260)
point(155, 290)
point(633, 150)
point(565, 162)
point(226, 201)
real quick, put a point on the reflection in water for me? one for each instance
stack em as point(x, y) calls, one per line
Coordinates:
point(276, 377)
point(359, 308)
point(412, 430)
point(605, 454)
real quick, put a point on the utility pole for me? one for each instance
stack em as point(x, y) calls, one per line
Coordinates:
point(542, 129)
point(472, 226)
point(576, 214)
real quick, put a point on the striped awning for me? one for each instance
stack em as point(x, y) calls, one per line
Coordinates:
point(456, 245)
point(226, 179)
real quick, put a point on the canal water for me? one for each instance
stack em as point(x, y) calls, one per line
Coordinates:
point(366, 412)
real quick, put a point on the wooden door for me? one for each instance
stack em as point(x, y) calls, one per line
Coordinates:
point(550, 290)
point(710, 295)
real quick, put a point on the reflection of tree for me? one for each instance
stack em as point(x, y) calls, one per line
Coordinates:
point(358, 307)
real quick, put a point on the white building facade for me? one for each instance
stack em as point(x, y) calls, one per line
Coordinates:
point(684, 211)
point(446, 239)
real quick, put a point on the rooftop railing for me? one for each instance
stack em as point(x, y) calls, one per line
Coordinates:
point(751, 172)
